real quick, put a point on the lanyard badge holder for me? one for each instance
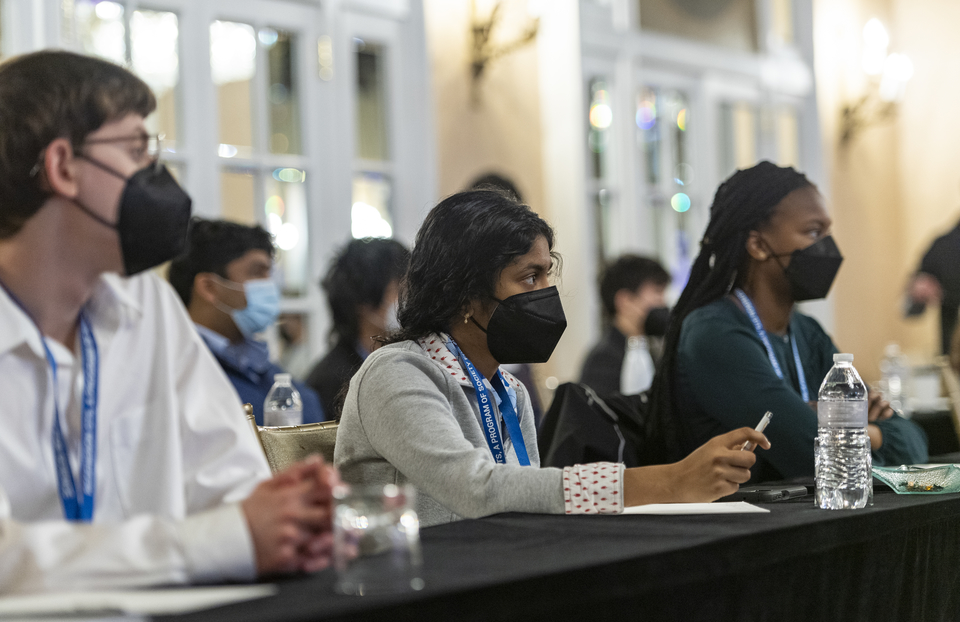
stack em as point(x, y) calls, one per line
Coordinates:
point(762, 333)
point(77, 504)
point(485, 401)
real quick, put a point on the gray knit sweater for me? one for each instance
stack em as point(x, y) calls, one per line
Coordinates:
point(411, 415)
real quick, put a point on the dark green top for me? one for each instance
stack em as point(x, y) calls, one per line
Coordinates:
point(725, 381)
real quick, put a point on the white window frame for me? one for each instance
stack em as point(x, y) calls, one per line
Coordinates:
point(326, 110)
point(612, 41)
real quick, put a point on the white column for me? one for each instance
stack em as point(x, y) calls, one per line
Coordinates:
point(564, 164)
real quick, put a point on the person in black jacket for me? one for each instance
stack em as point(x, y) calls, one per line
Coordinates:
point(362, 286)
point(937, 281)
point(632, 292)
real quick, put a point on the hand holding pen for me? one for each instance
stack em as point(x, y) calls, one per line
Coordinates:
point(748, 446)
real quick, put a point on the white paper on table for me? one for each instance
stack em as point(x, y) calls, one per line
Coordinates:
point(134, 602)
point(726, 507)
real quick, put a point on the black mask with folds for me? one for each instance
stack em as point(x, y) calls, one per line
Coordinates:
point(525, 328)
point(812, 270)
point(154, 217)
point(656, 323)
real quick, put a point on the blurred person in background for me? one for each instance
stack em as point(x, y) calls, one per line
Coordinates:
point(737, 347)
point(937, 281)
point(632, 294)
point(294, 345)
point(224, 280)
point(362, 287)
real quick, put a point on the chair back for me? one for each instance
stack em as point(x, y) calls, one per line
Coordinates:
point(951, 382)
point(283, 446)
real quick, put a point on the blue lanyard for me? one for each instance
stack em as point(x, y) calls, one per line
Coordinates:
point(75, 507)
point(485, 402)
point(758, 326)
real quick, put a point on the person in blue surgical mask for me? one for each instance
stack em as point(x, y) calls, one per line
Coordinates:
point(224, 279)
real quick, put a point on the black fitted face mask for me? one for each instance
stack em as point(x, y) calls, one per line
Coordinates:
point(812, 269)
point(656, 323)
point(525, 328)
point(153, 219)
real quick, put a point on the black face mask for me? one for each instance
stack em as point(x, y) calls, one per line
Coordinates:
point(525, 328)
point(812, 269)
point(656, 323)
point(154, 217)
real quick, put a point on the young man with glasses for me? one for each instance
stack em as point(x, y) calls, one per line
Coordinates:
point(125, 458)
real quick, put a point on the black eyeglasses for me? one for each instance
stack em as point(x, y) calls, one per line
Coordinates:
point(149, 144)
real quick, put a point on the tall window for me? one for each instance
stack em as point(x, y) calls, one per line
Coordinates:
point(146, 42)
point(727, 23)
point(739, 131)
point(599, 186)
point(663, 118)
point(262, 173)
point(371, 212)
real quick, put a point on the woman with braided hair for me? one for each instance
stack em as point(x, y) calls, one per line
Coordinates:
point(737, 347)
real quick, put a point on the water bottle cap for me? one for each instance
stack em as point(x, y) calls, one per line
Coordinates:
point(283, 378)
point(892, 350)
point(842, 358)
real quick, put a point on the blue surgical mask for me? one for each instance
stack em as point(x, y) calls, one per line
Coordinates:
point(263, 306)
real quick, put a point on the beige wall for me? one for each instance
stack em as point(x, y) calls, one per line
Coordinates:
point(929, 134)
point(499, 132)
point(528, 124)
point(891, 188)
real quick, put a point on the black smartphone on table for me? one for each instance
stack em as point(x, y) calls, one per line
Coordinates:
point(765, 493)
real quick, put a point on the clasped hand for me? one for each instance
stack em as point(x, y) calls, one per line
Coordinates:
point(290, 518)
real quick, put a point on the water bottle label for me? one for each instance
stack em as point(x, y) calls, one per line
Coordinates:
point(282, 417)
point(850, 414)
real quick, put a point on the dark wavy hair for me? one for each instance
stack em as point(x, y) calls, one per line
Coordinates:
point(464, 244)
point(359, 275)
point(743, 203)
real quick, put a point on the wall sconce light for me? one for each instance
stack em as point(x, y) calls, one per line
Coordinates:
point(887, 74)
point(485, 50)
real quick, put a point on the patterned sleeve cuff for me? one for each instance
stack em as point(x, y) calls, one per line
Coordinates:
point(595, 488)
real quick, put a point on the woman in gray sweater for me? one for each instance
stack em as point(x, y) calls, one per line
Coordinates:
point(433, 408)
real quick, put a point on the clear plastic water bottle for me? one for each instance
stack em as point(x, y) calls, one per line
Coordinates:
point(895, 370)
point(283, 405)
point(842, 459)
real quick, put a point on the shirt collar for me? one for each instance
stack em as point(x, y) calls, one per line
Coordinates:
point(109, 305)
point(215, 341)
point(249, 357)
point(435, 347)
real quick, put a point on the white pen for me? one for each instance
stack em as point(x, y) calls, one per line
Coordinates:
point(748, 446)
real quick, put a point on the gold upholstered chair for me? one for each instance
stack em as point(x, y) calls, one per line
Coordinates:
point(285, 445)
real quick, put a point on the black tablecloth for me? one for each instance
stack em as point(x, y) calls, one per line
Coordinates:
point(898, 560)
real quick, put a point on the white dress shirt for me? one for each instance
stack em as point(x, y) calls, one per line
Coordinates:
point(174, 457)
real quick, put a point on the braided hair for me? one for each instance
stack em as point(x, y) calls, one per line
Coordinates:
point(743, 203)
